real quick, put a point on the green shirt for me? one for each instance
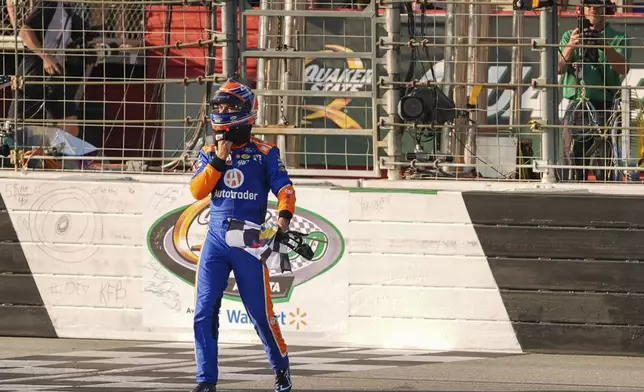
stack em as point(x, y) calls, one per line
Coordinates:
point(601, 74)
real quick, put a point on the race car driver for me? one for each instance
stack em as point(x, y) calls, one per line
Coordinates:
point(237, 175)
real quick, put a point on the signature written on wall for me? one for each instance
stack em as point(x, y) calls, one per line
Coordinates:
point(21, 193)
point(166, 198)
point(112, 292)
point(161, 286)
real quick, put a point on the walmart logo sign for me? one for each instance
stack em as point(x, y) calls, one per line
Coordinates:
point(241, 317)
point(297, 318)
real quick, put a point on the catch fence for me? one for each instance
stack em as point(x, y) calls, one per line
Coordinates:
point(337, 84)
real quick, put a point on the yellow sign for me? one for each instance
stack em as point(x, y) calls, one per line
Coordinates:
point(297, 318)
point(335, 110)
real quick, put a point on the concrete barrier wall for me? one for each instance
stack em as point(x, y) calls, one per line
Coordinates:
point(496, 269)
point(568, 267)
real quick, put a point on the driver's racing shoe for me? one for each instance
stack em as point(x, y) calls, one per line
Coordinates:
point(205, 387)
point(283, 380)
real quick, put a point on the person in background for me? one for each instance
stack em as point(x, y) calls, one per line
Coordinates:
point(604, 67)
point(49, 25)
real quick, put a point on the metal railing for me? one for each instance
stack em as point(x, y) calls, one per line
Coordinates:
point(518, 128)
point(310, 82)
point(331, 77)
point(140, 100)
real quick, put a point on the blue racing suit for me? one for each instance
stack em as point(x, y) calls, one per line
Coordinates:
point(238, 189)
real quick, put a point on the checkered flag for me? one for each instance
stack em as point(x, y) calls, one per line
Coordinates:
point(261, 242)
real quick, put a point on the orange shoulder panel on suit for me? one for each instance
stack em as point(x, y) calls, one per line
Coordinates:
point(262, 146)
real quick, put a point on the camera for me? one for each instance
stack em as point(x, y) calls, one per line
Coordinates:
point(589, 37)
point(83, 42)
point(426, 105)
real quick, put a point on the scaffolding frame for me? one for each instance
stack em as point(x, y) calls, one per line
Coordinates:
point(286, 56)
point(282, 54)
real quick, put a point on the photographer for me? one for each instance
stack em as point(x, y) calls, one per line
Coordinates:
point(581, 65)
point(50, 25)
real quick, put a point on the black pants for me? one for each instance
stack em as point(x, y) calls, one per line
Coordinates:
point(586, 146)
point(40, 101)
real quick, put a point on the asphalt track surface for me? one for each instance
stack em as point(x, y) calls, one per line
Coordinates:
point(56, 365)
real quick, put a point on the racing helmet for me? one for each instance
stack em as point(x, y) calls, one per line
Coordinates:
point(236, 121)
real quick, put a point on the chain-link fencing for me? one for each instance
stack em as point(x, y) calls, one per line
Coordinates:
point(398, 89)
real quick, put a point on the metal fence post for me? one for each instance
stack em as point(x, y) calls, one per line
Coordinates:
point(516, 74)
point(393, 62)
point(477, 74)
point(446, 141)
point(461, 63)
point(626, 132)
point(269, 36)
point(261, 62)
point(548, 33)
point(212, 53)
point(284, 78)
point(229, 28)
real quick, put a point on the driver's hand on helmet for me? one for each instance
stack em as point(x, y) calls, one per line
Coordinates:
point(223, 149)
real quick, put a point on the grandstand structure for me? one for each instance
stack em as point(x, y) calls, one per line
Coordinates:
point(332, 78)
